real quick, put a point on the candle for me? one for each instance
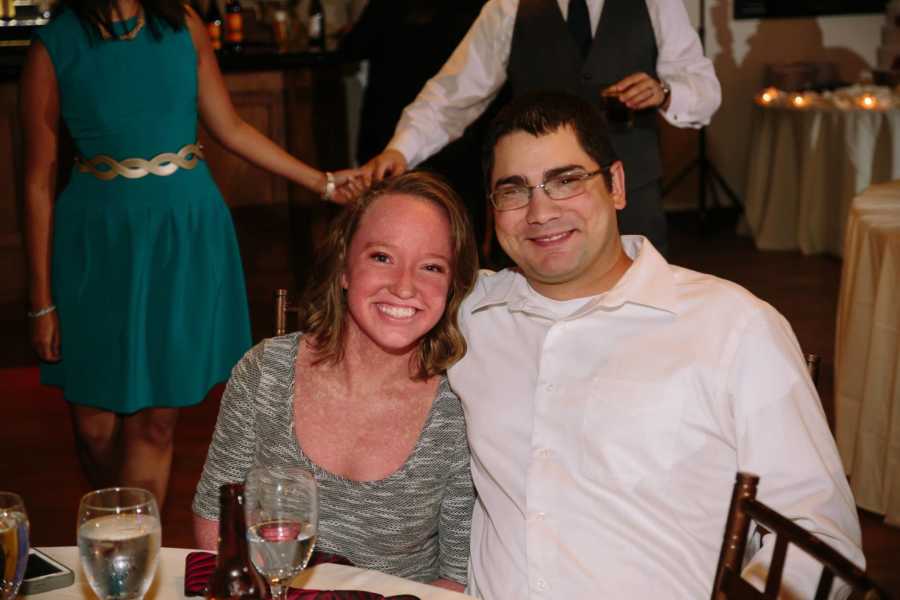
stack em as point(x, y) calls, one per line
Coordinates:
point(799, 100)
point(768, 95)
point(867, 101)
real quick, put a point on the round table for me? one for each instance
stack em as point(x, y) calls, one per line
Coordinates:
point(806, 165)
point(867, 352)
point(169, 581)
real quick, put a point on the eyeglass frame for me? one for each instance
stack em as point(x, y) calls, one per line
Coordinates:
point(531, 188)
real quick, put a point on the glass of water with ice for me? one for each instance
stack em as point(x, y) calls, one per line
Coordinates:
point(119, 536)
point(13, 544)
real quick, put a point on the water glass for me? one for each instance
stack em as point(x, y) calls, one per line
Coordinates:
point(119, 535)
point(282, 510)
point(13, 544)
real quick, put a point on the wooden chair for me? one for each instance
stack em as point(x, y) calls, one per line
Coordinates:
point(283, 306)
point(745, 507)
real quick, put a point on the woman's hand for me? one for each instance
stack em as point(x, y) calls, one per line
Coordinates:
point(351, 184)
point(45, 338)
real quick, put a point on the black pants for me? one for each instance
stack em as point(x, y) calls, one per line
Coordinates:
point(643, 214)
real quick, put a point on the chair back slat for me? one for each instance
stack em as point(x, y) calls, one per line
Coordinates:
point(731, 556)
point(825, 582)
point(776, 567)
point(281, 302)
point(813, 363)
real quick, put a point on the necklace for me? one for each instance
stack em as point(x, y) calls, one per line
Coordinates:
point(128, 35)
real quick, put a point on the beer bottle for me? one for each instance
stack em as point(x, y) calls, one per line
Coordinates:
point(316, 26)
point(234, 26)
point(214, 24)
point(235, 577)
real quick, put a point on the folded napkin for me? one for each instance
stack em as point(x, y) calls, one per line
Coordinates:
point(198, 568)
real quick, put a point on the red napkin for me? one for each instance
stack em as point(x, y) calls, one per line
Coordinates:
point(198, 567)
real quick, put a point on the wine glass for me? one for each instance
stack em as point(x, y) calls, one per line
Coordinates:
point(13, 544)
point(118, 541)
point(282, 509)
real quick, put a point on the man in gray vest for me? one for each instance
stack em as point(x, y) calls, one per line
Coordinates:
point(646, 54)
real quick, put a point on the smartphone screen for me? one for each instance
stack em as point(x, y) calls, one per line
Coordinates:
point(43, 574)
point(39, 567)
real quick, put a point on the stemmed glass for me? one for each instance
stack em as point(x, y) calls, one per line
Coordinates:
point(119, 536)
point(282, 509)
point(13, 544)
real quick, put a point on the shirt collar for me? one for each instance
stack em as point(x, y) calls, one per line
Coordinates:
point(648, 282)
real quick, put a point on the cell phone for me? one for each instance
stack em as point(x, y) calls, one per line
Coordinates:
point(43, 574)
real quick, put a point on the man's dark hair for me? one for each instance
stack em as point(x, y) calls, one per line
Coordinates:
point(542, 113)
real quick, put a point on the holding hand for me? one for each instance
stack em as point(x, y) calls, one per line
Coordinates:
point(344, 186)
point(639, 91)
point(388, 163)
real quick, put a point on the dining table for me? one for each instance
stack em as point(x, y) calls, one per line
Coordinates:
point(168, 583)
point(867, 352)
point(809, 156)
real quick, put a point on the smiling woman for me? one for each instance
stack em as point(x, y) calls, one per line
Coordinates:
point(359, 398)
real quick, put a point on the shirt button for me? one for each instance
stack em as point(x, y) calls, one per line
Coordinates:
point(540, 584)
point(544, 452)
point(539, 516)
point(550, 387)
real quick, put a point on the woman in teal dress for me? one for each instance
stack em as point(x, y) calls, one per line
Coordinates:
point(138, 304)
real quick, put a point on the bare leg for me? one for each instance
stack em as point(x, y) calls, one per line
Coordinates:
point(147, 442)
point(96, 443)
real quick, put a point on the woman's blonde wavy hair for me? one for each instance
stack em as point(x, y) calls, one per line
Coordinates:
point(323, 314)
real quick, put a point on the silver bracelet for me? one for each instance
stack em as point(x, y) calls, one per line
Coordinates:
point(34, 314)
point(330, 186)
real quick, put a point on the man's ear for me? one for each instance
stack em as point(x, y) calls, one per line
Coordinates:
point(617, 184)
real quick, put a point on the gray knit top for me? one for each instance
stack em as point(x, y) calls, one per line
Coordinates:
point(414, 523)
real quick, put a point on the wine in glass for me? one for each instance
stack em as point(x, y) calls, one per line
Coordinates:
point(118, 541)
point(282, 508)
point(13, 544)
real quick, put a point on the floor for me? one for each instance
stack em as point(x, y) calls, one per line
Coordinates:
point(37, 442)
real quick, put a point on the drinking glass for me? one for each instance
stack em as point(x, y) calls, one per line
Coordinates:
point(118, 541)
point(282, 509)
point(13, 544)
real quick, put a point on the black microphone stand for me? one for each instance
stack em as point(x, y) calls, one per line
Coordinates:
point(710, 179)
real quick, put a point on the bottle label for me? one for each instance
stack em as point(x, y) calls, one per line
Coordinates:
point(234, 26)
point(214, 29)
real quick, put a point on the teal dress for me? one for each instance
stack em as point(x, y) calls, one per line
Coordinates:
point(146, 273)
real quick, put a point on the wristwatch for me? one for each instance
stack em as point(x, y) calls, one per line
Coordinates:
point(666, 90)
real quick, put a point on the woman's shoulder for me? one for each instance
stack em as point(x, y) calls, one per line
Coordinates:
point(64, 27)
point(447, 412)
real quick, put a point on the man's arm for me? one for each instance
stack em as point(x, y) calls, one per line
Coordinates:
point(456, 96)
point(782, 435)
point(695, 91)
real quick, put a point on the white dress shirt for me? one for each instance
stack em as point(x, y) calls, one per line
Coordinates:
point(476, 71)
point(606, 434)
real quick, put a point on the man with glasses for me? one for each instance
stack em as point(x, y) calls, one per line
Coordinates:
point(610, 397)
point(645, 54)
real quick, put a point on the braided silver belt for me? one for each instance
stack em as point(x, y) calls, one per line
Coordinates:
point(106, 168)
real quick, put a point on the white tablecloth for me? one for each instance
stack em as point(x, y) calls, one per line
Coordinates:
point(867, 352)
point(169, 581)
point(806, 165)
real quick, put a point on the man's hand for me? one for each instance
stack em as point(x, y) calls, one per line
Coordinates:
point(639, 91)
point(388, 163)
point(45, 336)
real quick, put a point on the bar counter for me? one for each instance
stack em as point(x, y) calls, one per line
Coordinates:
point(296, 99)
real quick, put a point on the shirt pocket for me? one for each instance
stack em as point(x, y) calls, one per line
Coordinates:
point(629, 432)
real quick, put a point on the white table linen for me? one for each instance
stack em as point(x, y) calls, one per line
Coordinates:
point(806, 165)
point(867, 352)
point(169, 581)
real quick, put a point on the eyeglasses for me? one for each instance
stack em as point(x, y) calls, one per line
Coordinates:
point(511, 196)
